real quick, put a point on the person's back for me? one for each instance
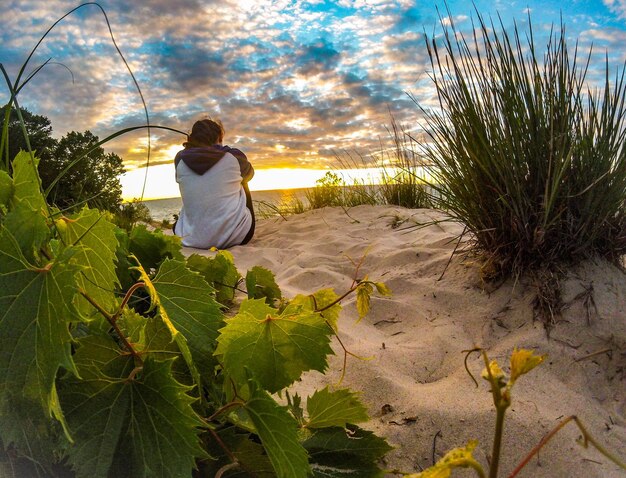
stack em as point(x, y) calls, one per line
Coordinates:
point(217, 207)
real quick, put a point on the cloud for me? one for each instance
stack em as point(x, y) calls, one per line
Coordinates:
point(317, 57)
point(314, 76)
point(617, 6)
point(410, 18)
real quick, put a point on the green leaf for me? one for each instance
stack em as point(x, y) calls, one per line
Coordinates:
point(522, 362)
point(363, 292)
point(28, 430)
point(219, 271)
point(98, 244)
point(456, 458)
point(133, 327)
point(100, 356)
point(6, 189)
point(140, 426)
point(294, 404)
point(346, 452)
point(177, 336)
point(151, 334)
point(260, 283)
point(277, 430)
point(255, 308)
point(275, 348)
point(152, 247)
point(36, 308)
point(245, 447)
point(190, 306)
point(27, 217)
point(320, 300)
point(382, 289)
point(334, 409)
point(26, 182)
point(124, 270)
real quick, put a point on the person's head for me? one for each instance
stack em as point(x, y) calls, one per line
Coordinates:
point(205, 132)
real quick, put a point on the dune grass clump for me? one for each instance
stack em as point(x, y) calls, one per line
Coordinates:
point(527, 150)
point(401, 181)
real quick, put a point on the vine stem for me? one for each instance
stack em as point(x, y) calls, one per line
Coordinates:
point(497, 442)
point(501, 404)
point(223, 445)
point(355, 284)
point(478, 469)
point(336, 301)
point(111, 320)
point(225, 468)
point(346, 352)
point(234, 287)
point(230, 454)
point(228, 406)
point(127, 296)
point(587, 439)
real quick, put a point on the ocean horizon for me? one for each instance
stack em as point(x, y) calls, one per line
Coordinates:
point(263, 201)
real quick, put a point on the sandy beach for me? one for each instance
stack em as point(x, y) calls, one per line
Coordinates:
point(413, 380)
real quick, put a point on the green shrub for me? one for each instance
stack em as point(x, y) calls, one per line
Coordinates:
point(131, 213)
point(327, 192)
point(525, 153)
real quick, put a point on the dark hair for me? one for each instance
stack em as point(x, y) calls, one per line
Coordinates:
point(205, 132)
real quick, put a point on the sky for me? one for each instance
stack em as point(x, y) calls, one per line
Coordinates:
point(297, 84)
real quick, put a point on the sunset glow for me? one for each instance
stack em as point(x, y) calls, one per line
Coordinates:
point(161, 182)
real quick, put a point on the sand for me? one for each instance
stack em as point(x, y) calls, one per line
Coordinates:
point(414, 383)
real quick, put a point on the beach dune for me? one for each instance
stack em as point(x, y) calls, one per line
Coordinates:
point(412, 377)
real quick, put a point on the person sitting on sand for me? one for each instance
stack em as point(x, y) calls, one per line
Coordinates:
point(213, 181)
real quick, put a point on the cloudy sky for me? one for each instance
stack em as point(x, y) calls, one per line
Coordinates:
point(295, 82)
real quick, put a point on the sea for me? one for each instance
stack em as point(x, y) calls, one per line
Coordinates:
point(266, 203)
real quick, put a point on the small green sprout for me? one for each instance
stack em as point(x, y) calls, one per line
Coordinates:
point(457, 458)
point(522, 362)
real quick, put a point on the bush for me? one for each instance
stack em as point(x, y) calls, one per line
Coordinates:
point(131, 213)
point(525, 154)
point(327, 192)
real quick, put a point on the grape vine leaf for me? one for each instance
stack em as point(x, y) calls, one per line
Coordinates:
point(277, 430)
point(456, 458)
point(27, 217)
point(124, 268)
point(96, 254)
point(133, 326)
point(6, 190)
point(334, 409)
point(152, 247)
point(275, 348)
point(177, 336)
point(26, 182)
point(136, 426)
point(189, 303)
point(320, 300)
point(151, 335)
point(219, 271)
point(31, 434)
point(363, 293)
point(382, 289)
point(36, 308)
point(250, 455)
point(352, 452)
point(260, 283)
point(255, 308)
